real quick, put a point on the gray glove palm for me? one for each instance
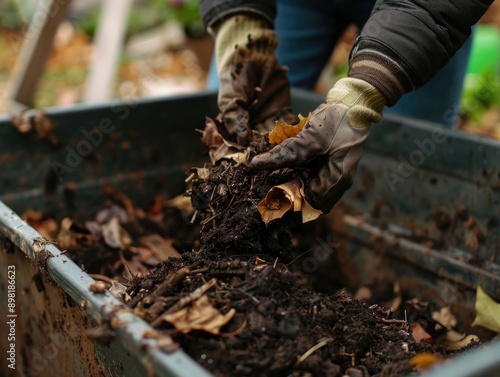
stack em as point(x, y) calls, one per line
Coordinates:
point(334, 135)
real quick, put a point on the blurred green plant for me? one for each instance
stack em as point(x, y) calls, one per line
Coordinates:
point(481, 92)
point(187, 13)
point(146, 14)
point(10, 15)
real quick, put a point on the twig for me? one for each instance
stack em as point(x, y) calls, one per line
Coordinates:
point(193, 296)
point(199, 271)
point(313, 349)
point(254, 299)
point(351, 355)
point(402, 321)
point(235, 332)
point(167, 287)
point(102, 278)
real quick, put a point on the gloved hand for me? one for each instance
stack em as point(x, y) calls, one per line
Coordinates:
point(254, 90)
point(334, 135)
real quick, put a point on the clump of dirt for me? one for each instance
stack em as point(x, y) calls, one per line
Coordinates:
point(225, 197)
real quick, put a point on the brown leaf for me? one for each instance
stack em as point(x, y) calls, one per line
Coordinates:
point(445, 318)
point(145, 254)
point(72, 235)
point(200, 316)
point(463, 343)
point(47, 227)
point(283, 131)
point(114, 235)
point(419, 334)
point(283, 198)
point(183, 202)
point(161, 247)
point(218, 147)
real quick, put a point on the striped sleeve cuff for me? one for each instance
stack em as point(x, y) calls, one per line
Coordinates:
point(376, 64)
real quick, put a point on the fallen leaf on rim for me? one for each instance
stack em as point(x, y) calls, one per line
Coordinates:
point(200, 316)
point(283, 131)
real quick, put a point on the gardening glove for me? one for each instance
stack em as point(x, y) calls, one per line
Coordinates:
point(254, 89)
point(334, 136)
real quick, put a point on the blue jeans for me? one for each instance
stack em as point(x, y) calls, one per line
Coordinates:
point(308, 31)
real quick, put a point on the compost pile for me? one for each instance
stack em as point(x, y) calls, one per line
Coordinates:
point(210, 270)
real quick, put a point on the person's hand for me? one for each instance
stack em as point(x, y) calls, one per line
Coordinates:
point(254, 90)
point(334, 136)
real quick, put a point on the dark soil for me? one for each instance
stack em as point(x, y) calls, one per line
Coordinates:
point(278, 319)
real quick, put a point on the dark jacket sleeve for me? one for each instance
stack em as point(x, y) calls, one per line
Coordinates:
point(404, 43)
point(214, 11)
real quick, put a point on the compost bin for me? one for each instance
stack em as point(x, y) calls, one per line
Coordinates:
point(399, 220)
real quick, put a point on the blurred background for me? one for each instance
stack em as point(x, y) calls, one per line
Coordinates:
point(166, 51)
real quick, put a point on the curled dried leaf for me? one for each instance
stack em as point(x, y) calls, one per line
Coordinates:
point(218, 147)
point(463, 343)
point(283, 198)
point(72, 235)
point(114, 235)
point(283, 131)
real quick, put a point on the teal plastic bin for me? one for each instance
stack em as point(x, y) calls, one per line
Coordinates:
point(410, 173)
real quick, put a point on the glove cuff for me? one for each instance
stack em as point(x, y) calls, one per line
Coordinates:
point(364, 101)
point(244, 38)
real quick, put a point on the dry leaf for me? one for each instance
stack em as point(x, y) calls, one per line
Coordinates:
point(283, 131)
point(114, 235)
point(425, 360)
point(463, 343)
point(200, 316)
point(72, 235)
point(218, 147)
point(105, 215)
point(363, 293)
point(283, 198)
point(238, 157)
point(259, 261)
point(419, 334)
point(161, 247)
point(487, 311)
point(48, 228)
point(146, 256)
point(453, 336)
point(119, 291)
point(445, 318)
